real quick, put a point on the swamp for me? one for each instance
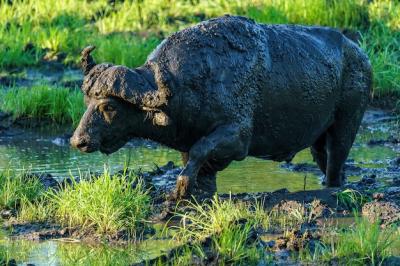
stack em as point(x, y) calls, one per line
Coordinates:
point(59, 206)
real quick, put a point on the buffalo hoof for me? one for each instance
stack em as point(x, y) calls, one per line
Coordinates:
point(181, 190)
point(205, 187)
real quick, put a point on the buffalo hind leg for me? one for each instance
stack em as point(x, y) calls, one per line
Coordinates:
point(318, 151)
point(340, 138)
point(356, 87)
point(225, 143)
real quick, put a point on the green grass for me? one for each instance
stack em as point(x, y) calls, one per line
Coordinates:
point(364, 243)
point(229, 224)
point(132, 51)
point(382, 46)
point(351, 199)
point(16, 188)
point(107, 204)
point(37, 210)
point(204, 220)
point(368, 241)
point(43, 102)
point(232, 245)
point(226, 223)
point(127, 31)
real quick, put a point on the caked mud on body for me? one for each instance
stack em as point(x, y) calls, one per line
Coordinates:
point(228, 88)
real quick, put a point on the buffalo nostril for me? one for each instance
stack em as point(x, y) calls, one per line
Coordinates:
point(81, 144)
point(78, 142)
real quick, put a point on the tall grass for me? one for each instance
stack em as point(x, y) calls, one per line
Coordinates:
point(226, 223)
point(368, 241)
point(349, 13)
point(364, 243)
point(16, 188)
point(43, 102)
point(382, 46)
point(127, 31)
point(207, 219)
point(106, 204)
point(132, 50)
point(36, 210)
point(351, 199)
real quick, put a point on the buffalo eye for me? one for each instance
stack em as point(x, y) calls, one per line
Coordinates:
point(108, 112)
point(106, 108)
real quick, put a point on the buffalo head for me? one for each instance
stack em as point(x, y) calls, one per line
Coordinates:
point(116, 98)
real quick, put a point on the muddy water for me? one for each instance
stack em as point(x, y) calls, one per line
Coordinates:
point(46, 151)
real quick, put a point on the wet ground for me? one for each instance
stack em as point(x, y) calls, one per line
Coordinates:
point(374, 159)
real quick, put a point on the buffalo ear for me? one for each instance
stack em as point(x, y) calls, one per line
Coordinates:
point(87, 62)
point(161, 119)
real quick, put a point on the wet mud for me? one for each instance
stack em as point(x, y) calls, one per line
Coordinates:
point(323, 203)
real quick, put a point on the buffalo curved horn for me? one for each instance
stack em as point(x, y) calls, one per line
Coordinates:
point(87, 62)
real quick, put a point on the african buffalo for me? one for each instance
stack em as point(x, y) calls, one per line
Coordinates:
point(228, 88)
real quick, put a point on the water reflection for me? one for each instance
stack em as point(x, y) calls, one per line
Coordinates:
point(64, 253)
point(39, 152)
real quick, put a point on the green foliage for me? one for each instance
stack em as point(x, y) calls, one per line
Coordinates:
point(43, 102)
point(367, 240)
point(351, 199)
point(364, 243)
point(207, 219)
point(132, 51)
point(75, 108)
point(232, 242)
point(349, 13)
point(38, 210)
point(17, 188)
point(127, 31)
point(106, 204)
point(227, 223)
point(381, 45)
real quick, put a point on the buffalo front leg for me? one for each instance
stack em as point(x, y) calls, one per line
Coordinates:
point(225, 143)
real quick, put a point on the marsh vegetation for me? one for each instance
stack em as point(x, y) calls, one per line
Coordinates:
point(222, 230)
point(125, 32)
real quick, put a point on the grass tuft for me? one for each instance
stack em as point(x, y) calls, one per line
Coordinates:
point(364, 243)
point(107, 204)
point(38, 210)
point(204, 220)
point(227, 224)
point(18, 188)
point(351, 199)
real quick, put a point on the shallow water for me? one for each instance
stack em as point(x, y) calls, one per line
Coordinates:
point(43, 151)
point(54, 252)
